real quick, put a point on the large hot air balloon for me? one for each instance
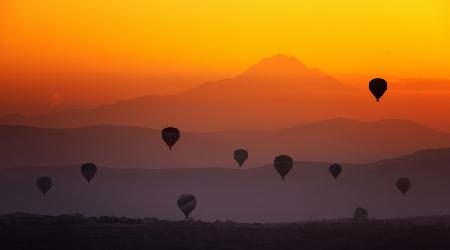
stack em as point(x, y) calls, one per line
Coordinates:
point(240, 155)
point(44, 184)
point(170, 136)
point(283, 164)
point(403, 184)
point(88, 170)
point(187, 203)
point(335, 170)
point(378, 86)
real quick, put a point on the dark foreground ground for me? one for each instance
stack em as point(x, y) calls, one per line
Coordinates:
point(22, 231)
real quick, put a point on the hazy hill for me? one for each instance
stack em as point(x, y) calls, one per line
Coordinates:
point(337, 140)
point(256, 194)
point(277, 92)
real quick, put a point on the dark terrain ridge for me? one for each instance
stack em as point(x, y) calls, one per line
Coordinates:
point(23, 231)
point(334, 140)
point(246, 195)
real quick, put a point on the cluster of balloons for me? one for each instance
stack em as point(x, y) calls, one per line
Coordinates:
point(88, 170)
point(283, 163)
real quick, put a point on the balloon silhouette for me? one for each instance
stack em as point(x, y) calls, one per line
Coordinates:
point(88, 170)
point(187, 203)
point(283, 164)
point(240, 155)
point(335, 170)
point(378, 86)
point(44, 184)
point(170, 136)
point(403, 184)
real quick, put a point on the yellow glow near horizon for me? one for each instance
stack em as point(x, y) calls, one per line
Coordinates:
point(403, 37)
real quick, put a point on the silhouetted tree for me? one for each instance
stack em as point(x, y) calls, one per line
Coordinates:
point(360, 214)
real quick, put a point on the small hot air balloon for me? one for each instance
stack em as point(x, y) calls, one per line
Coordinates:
point(403, 184)
point(44, 184)
point(240, 155)
point(378, 86)
point(88, 170)
point(170, 135)
point(283, 164)
point(335, 170)
point(187, 203)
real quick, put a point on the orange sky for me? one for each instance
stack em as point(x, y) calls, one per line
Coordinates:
point(186, 42)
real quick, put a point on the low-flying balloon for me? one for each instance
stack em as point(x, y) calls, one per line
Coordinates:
point(403, 184)
point(335, 170)
point(88, 170)
point(283, 164)
point(240, 155)
point(170, 135)
point(378, 86)
point(187, 203)
point(44, 184)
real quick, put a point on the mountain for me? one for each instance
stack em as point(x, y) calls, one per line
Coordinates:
point(257, 194)
point(335, 140)
point(279, 75)
point(261, 97)
point(276, 92)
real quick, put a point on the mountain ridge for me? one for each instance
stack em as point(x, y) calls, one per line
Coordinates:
point(341, 140)
point(249, 102)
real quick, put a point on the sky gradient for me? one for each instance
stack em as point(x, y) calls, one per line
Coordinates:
point(134, 48)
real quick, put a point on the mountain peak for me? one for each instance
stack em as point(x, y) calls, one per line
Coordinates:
point(278, 65)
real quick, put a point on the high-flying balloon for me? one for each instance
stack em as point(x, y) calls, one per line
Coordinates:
point(403, 184)
point(187, 203)
point(44, 184)
point(378, 86)
point(88, 170)
point(240, 155)
point(283, 164)
point(170, 135)
point(335, 170)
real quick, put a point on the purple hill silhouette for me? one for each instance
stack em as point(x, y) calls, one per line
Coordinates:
point(309, 191)
point(336, 140)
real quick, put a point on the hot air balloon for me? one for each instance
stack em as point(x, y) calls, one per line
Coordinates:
point(187, 203)
point(88, 170)
point(240, 155)
point(403, 184)
point(335, 170)
point(44, 184)
point(170, 136)
point(378, 86)
point(283, 164)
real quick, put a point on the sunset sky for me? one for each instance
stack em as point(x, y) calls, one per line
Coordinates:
point(188, 42)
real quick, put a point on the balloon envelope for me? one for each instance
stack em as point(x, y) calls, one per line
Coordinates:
point(403, 184)
point(335, 170)
point(88, 170)
point(187, 203)
point(170, 135)
point(44, 184)
point(283, 164)
point(378, 86)
point(240, 155)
